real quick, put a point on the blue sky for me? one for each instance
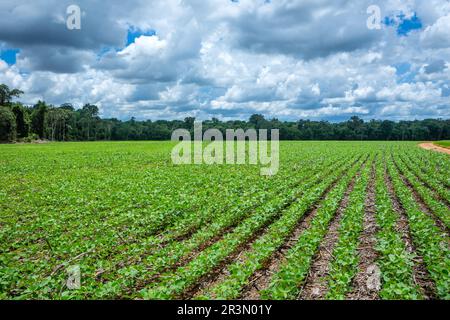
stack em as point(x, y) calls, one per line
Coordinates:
point(288, 59)
point(404, 24)
point(9, 55)
point(133, 34)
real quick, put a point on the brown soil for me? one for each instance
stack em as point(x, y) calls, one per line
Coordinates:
point(420, 272)
point(423, 206)
point(315, 286)
point(427, 185)
point(433, 147)
point(218, 272)
point(197, 251)
point(261, 279)
point(367, 282)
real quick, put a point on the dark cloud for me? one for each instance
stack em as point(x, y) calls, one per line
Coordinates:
point(147, 92)
point(435, 66)
point(55, 59)
point(305, 29)
point(39, 30)
point(288, 59)
point(44, 23)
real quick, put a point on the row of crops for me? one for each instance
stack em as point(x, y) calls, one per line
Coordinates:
point(341, 220)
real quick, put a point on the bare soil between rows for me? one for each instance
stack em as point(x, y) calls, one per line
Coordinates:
point(421, 275)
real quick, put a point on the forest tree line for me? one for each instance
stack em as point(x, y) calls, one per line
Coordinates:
point(66, 123)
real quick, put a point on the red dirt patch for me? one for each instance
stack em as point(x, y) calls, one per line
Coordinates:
point(433, 147)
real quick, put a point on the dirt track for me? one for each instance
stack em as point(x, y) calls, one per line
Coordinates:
point(431, 146)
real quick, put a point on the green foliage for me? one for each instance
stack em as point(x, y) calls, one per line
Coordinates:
point(344, 266)
point(427, 195)
point(394, 259)
point(430, 241)
point(266, 245)
point(7, 125)
point(38, 119)
point(445, 144)
point(66, 123)
point(287, 281)
point(6, 94)
point(22, 120)
point(140, 227)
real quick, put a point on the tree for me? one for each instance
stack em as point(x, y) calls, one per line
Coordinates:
point(56, 123)
point(189, 123)
point(7, 125)
point(38, 119)
point(22, 120)
point(7, 94)
point(386, 128)
point(88, 121)
point(66, 123)
point(68, 107)
point(257, 120)
point(356, 129)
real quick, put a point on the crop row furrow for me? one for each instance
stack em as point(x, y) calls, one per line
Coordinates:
point(429, 240)
point(286, 283)
point(428, 180)
point(177, 253)
point(240, 272)
point(174, 284)
point(344, 267)
point(440, 212)
point(431, 164)
point(396, 257)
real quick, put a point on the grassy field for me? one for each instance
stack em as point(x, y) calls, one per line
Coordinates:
point(445, 144)
point(341, 220)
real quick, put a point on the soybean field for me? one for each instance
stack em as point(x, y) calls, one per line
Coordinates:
point(340, 220)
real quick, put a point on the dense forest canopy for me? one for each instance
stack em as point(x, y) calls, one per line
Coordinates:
point(65, 123)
